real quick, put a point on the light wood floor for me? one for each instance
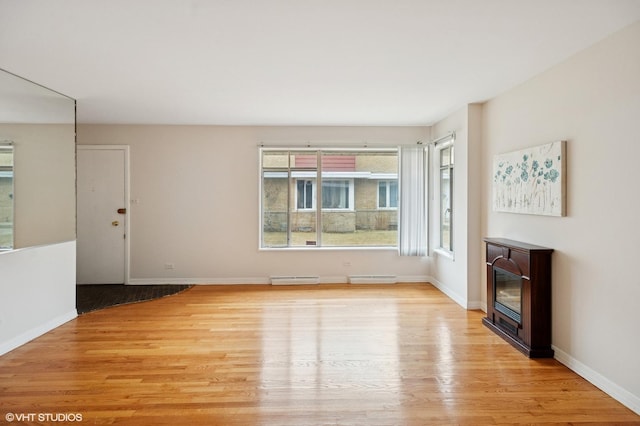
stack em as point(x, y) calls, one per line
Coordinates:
point(260, 355)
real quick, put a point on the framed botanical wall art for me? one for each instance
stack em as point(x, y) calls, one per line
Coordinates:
point(531, 180)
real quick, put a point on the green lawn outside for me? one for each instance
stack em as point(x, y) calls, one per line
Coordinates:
point(358, 238)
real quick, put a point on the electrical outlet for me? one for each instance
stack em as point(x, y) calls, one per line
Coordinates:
point(169, 266)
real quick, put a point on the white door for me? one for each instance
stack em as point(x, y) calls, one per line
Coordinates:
point(102, 214)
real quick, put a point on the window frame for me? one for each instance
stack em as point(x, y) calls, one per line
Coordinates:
point(313, 195)
point(450, 167)
point(291, 171)
point(388, 183)
point(350, 196)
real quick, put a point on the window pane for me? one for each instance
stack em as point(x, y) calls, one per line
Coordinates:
point(393, 194)
point(445, 208)
point(335, 194)
point(275, 160)
point(382, 194)
point(300, 193)
point(304, 160)
point(274, 209)
point(303, 219)
point(351, 214)
point(308, 194)
point(338, 162)
point(445, 156)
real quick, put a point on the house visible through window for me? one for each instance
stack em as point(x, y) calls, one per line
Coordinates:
point(357, 191)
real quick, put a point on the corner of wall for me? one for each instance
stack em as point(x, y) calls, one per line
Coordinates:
point(40, 294)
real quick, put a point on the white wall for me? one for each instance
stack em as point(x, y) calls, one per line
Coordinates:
point(38, 292)
point(591, 100)
point(457, 276)
point(44, 182)
point(37, 280)
point(198, 203)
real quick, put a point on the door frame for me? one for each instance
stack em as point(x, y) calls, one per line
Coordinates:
point(127, 201)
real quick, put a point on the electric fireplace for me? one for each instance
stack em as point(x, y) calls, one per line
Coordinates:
point(519, 295)
point(507, 294)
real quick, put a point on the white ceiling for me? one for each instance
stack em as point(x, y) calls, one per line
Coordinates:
point(293, 62)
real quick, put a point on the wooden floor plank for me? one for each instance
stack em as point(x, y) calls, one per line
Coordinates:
point(400, 354)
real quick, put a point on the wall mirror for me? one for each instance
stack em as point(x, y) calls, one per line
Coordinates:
point(6, 195)
point(37, 164)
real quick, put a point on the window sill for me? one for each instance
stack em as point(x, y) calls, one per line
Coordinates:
point(316, 248)
point(444, 253)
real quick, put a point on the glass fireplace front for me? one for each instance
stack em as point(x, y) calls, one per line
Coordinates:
point(507, 297)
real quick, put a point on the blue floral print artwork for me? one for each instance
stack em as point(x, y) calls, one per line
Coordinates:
point(531, 180)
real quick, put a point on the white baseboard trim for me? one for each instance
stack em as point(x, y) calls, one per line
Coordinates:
point(618, 393)
point(294, 280)
point(477, 305)
point(469, 305)
point(372, 279)
point(335, 279)
point(449, 292)
point(35, 332)
point(200, 281)
point(414, 279)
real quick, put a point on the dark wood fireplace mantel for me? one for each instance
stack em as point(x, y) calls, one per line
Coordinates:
point(529, 330)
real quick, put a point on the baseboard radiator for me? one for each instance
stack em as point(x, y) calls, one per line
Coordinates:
point(373, 279)
point(294, 280)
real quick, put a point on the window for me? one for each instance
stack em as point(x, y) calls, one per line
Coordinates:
point(446, 194)
point(346, 184)
point(388, 194)
point(335, 194)
point(305, 191)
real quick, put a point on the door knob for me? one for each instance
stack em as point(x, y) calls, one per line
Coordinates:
point(115, 223)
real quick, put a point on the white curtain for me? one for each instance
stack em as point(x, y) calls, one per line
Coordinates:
point(412, 211)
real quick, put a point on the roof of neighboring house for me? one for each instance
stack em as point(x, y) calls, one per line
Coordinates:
point(330, 163)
